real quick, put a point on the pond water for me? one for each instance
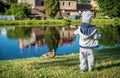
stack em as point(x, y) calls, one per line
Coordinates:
point(25, 42)
point(22, 42)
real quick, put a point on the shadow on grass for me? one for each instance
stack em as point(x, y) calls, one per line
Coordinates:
point(108, 54)
point(64, 62)
point(108, 66)
point(74, 61)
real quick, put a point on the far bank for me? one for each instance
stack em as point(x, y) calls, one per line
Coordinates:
point(54, 22)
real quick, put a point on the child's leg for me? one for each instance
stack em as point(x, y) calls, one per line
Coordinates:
point(90, 58)
point(83, 64)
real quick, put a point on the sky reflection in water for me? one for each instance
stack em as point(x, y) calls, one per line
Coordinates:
point(9, 48)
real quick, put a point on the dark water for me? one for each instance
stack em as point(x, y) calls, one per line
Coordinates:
point(25, 42)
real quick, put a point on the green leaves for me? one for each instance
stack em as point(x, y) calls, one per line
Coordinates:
point(20, 32)
point(19, 10)
point(109, 35)
point(52, 37)
point(51, 7)
point(111, 8)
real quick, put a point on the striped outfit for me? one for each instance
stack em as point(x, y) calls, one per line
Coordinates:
point(88, 41)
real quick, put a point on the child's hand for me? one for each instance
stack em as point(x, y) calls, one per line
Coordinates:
point(99, 35)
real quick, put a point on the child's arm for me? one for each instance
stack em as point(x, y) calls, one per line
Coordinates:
point(97, 35)
point(77, 31)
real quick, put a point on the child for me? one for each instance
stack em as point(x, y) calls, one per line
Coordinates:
point(88, 41)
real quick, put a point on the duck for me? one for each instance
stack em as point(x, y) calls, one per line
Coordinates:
point(50, 54)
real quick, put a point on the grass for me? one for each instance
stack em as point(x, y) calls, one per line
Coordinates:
point(32, 23)
point(63, 22)
point(107, 65)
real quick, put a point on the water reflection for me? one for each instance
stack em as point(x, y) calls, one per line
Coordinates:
point(22, 42)
point(110, 35)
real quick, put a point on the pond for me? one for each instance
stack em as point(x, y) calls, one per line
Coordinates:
point(25, 42)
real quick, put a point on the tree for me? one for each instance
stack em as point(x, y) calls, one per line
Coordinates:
point(51, 7)
point(110, 8)
point(52, 38)
point(3, 6)
point(19, 32)
point(20, 11)
point(113, 31)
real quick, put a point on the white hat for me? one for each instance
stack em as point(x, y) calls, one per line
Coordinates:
point(87, 16)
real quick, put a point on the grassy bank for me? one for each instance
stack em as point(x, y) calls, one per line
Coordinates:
point(33, 23)
point(67, 66)
point(64, 22)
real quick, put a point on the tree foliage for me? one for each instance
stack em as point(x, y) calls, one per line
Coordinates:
point(52, 38)
point(3, 6)
point(20, 11)
point(51, 7)
point(110, 8)
point(113, 35)
point(19, 32)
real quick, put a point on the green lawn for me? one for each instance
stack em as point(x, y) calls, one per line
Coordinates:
point(53, 22)
point(107, 65)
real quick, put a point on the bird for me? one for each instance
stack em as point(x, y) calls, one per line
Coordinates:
point(49, 54)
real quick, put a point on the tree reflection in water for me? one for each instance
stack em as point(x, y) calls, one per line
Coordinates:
point(30, 41)
point(34, 36)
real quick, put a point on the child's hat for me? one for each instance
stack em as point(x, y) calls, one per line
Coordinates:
point(87, 16)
